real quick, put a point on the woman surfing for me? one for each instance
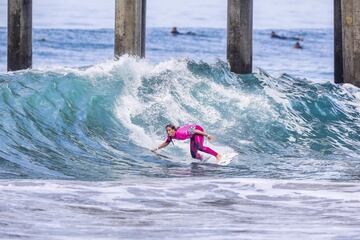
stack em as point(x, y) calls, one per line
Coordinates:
point(196, 134)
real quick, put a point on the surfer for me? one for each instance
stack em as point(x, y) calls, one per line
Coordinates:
point(195, 133)
point(275, 35)
point(175, 32)
point(298, 45)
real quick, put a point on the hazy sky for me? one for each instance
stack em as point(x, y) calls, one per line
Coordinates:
point(182, 13)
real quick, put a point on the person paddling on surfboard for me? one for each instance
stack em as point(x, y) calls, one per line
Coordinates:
point(195, 133)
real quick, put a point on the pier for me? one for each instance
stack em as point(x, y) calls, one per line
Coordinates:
point(239, 35)
point(130, 17)
point(130, 29)
point(347, 41)
point(19, 54)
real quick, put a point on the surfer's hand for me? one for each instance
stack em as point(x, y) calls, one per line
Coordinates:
point(210, 138)
point(154, 150)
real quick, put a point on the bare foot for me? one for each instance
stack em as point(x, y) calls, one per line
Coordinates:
point(218, 158)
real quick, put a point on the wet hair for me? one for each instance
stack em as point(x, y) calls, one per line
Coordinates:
point(171, 126)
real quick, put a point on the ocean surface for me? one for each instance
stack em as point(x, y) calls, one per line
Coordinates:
point(75, 131)
point(90, 14)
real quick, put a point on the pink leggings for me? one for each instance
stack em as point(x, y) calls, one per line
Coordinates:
point(196, 143)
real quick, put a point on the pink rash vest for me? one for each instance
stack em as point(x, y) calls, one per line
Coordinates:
point(184, 132)
point(196, 142)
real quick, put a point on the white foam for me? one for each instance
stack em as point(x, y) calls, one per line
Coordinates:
point(181, 82)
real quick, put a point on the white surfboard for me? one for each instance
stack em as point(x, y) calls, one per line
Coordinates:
point(160, 155)
point(227, 158)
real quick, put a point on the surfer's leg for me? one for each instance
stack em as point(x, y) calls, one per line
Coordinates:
point(194, 150)
point(199, 144)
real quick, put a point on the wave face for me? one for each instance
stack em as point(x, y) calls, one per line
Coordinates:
point(98, 122)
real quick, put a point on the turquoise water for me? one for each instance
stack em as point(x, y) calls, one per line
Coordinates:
point(96, 123)
point(75, 134)
point(74, 158)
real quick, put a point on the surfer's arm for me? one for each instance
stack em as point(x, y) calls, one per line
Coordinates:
point(203, 134)
point(164, 144)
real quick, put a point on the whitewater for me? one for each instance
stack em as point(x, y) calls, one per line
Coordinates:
point(75, 142)
point(75, 131)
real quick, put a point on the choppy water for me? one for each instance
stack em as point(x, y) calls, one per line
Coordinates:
point(191, 208)
point(96, 123)
point(75, 133)
point(81, 47)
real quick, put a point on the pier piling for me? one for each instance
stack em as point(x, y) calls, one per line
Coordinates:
point(239, 35)
point(338, 55)
point(350, 42)
point(19, 54)
point(130, 24)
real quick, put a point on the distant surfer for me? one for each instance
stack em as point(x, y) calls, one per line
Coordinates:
point(175, 32)
point(297, 45)
point(275, 35)
point(195, 133)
